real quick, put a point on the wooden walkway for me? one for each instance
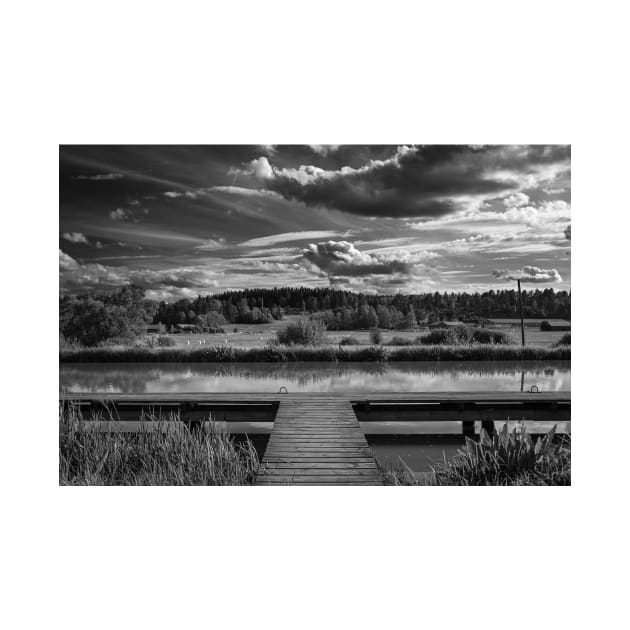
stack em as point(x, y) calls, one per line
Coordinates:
point(316, 437)
point(317, 442)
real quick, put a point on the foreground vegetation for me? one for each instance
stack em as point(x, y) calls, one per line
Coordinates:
point(169, 455)
point(503, 459)
point(272, 353)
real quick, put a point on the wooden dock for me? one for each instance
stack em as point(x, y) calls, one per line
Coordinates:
point(316, 437)
point(317, 442)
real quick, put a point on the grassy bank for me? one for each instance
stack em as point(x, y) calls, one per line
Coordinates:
point(169, 456)
point(220, 354)
point(504, 459)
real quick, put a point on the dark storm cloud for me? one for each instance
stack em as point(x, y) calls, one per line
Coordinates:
point(180, 219)
point(414, 182)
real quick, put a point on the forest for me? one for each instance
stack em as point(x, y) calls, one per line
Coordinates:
point(345, 310)
point(125, 313)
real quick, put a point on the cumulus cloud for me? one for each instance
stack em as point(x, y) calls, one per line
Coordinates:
point(259, 168)
point(341, 258)
point(75, 237)
point(66, 262)
point(76, 277)
point(120, 214)
point(516, 200)
point(324, 149)
point(416, 181)
point(529, 274)
point(123, 214)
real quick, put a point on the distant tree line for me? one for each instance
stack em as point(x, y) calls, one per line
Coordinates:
point(125, 314)
point(344, 310)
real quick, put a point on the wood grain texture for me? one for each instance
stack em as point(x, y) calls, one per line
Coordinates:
point(317, 442)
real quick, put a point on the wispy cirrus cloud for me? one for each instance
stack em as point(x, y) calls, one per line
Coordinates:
point(236, 209)
point(288, 237)
point(101, 177)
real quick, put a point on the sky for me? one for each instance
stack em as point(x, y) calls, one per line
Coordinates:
point(183, 221)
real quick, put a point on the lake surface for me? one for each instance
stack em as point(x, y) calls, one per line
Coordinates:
point(311, 377)
point(415, 443)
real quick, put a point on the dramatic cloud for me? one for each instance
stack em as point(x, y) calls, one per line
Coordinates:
point(341, 258)
point(409, 218)
point(529, 274)
point(516, 200)
point(260, 168)
point(324, 149)
point(77, 277)
point(75, 237)
point(417, 182)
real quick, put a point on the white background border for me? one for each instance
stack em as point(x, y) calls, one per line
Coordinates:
point(328, 72)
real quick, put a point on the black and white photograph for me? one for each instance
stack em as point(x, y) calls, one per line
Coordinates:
point(315, 315)
point(299, 283)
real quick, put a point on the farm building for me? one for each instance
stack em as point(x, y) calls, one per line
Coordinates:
point(154, 328)
point(555, 324)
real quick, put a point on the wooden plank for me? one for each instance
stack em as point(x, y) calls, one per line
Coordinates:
point(317, 442)
point(323, 399)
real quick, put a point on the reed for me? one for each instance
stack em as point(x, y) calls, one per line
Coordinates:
point(228, 354)
point(162, 453)
point(508, 459)
point(480, 352)
point(504, 459)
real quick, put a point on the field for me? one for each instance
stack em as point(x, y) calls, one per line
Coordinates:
point(534, 336)
point(259, 335)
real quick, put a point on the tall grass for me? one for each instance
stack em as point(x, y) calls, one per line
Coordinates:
point(481, 352)
point(169, 455)
point(229, 354)
point(504, 459)
point(508, 459)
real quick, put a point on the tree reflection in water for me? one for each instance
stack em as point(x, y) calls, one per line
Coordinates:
point(315, 377)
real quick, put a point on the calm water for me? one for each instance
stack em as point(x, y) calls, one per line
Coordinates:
point(426, 376)
point(391, 441)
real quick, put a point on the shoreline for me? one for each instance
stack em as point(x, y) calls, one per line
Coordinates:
point(378, 354)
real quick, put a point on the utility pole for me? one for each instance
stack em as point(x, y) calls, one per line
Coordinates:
point(520, 302)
